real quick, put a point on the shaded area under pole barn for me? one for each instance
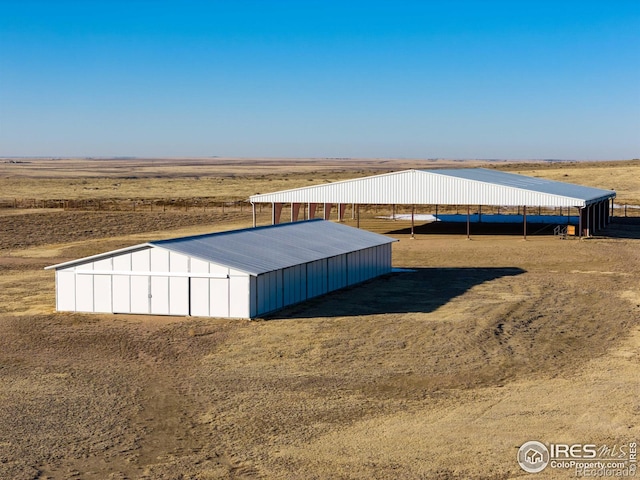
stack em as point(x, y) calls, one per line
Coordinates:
point(591, 218)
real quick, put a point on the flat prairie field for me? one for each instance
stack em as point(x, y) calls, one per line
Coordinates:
point(440, 371)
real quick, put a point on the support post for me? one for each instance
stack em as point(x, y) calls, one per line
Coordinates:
point(312, 210)
point(468, 222)
point(327, 211)
point(295, 211)
point(253, 213)
point(413, 209)
point(599, 214)
point(524, 220)
point(342, 207)
point(579, 222)
point(358, 215)
point(276, 210)
point(588, 215)
point(393, 211)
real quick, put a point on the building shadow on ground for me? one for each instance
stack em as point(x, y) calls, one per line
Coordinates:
point(420, 290)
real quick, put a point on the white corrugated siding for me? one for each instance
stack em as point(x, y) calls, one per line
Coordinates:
point(431, 188)
point(153, 281)
point(292, 285)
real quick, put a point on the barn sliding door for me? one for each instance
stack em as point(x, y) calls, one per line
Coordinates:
point(199, 297)
point(179, 296)
point(140, 294)
point(209, 297)
point(159, 295)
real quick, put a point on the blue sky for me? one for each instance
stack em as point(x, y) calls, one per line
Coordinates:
point(411, 79)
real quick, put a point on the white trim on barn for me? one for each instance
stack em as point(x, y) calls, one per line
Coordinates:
point(237, 274)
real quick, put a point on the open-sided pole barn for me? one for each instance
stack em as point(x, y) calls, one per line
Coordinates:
point(465, 186)
point(236, 274)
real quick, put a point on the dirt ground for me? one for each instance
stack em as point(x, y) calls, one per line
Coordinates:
point(438, 372)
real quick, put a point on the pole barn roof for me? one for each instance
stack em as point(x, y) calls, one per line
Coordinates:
point(467, 186)
point(263, 249)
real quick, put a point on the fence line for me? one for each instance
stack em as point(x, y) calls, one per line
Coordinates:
point(204, 204)
point(180, 204)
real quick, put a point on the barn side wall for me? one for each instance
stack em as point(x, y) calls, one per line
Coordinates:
point(280, 288)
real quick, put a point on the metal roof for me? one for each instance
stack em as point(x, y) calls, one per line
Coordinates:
point(264, 249)
point(465, 186)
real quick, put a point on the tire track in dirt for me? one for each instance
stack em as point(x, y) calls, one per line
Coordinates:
point(114, 399)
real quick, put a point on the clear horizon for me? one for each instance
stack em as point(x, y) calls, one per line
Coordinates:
point(262, 157)
point(461, 79)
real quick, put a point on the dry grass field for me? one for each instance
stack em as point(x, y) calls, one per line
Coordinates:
point(440, 372)
point(233, 179)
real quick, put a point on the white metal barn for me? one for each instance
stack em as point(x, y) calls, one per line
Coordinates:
point(463, 186)
point(236, 274)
